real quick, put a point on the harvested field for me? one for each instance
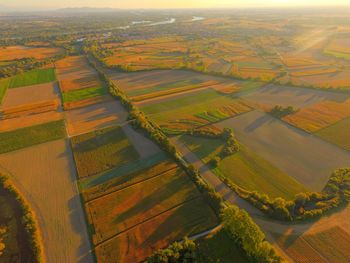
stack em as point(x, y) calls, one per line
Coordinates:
point(20, 52)
point(34, 77)
point(95, 117)
point(101, 150)
point(290, 96)
point(83, 94)
point(139, 242)
point(319, 116)
point(337, 134)
point(87, 102)
point(31, 94)
point(25, 137)
point(29, 120)
point(46, 177)
point(86, 82)
point(284, 147)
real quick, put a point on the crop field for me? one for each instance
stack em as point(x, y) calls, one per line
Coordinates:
point(284, 147)
point(31, 94)
point(20, 52)
point(339, 48)
point(75, 73)
point(25, 137)
point(250, 171)
point(331, 245)
point(318, 116)
point(337, 134)
point(87, 102)
point(272, 95)
point(46, 177)
point(28, 120)
point(101, 150)
point(36, 76)
point(95, 117)
point(83, 94)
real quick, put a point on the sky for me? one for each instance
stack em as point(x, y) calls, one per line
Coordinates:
point(169, 3)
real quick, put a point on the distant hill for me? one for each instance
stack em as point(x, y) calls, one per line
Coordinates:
point(86, 10)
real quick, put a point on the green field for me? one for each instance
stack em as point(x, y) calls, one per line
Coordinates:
point(260, 65)
point(338, 134)
point(186, 106)
point(246, 169)
point(21, 138)
point(81, 94)
point(337, 54)
point(102, 150)
point(36, 76)
point(219, 248)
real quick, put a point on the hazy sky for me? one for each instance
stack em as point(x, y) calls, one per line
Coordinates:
point(169, 3)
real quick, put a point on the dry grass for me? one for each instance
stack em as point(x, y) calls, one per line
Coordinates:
point(46, 177)
point(320, 115)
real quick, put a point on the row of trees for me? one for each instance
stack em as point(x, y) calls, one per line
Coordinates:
point(279, 111)
point(28, 220)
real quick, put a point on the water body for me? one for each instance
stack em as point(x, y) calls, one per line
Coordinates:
point(169, 21)
point(197, 18)
point(140, 22)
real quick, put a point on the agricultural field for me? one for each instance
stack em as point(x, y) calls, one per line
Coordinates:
point(251, 171)
point(94, 117)
point(101, 150)
point(46, 177)
point(25, 137)
point(318, 116)
point(20, 52)
point(285, 147)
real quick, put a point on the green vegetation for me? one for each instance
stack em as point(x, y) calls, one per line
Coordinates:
point(37, 76)
point(280, 112)
point(245, 168)
point(3, 89)
point(337, 133)
point(102, 150)
point(219, 247)
point(241, 228)
point(25, 137)
point(337, 54)
point(247, 64)
point(81, 94)
point(26, 222)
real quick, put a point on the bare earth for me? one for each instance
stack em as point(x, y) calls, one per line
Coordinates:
point(45, 174)
point(31, 94)
point(95, 117)
point(307, 158)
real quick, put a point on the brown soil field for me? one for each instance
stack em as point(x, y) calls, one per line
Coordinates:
point(31, 94)
point(47, 178)
point(339, 79)
point(305, 157)
point(87, 102)
point(29, 120)
point(19, 52)
point(29, 109)
point(309, 72)
point(75, 73)
point(139, 242)
point(95, 117)
point(340, 45)
point(290, 96)
point(318, 116)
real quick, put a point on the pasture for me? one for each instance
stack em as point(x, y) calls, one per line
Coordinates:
point(245, 168)
point(101, 150)
point(25, 137)
point(46, 177)
point(306, 158)
point(83, 94)
point(95, 117)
